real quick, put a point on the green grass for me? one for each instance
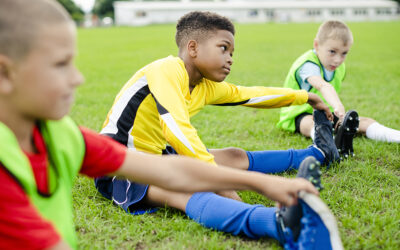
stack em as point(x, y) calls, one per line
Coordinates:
point(363, 192)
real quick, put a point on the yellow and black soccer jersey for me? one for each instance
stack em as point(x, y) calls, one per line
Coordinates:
point(155, 105)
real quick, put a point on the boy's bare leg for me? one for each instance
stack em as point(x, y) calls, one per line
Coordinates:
point(306, 124)
point(231, 157)
point(365, 122)
point(160, 197)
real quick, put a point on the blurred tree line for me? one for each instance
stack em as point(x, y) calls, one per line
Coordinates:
point(76, 13)
point(104, 8)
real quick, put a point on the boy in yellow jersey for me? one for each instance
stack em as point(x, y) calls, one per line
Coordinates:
point(154, 108)
point(42, 150)
point(322, 71)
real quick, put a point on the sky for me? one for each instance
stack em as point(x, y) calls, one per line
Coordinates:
point(86, 5)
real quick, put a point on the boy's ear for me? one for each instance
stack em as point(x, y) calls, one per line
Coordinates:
point(5, 75)
point(315, 44)
point(192, 48)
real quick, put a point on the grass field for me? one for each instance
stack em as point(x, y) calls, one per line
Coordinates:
point(363, 192)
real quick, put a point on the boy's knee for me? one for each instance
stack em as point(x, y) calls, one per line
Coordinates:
point(236, 153)
point(231, 157)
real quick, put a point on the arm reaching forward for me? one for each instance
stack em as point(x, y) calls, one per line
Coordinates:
point(184, 174)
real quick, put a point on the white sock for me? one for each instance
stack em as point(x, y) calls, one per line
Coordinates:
point(379, 132)
point(312, 133)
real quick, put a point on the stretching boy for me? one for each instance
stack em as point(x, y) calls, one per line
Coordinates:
point(155, 106)
point(322, 71)
point(42, 150)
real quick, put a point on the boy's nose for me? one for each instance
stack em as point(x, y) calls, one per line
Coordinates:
point(337, 60)
point(78, 78)
point(230, 60)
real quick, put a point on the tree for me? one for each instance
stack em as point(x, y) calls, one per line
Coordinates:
point(76, 13)
point(104, 8)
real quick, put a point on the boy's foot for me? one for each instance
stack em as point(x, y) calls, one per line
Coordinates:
point(289, 217)
point(345, 134)
point(319, 228)
point(323, 137)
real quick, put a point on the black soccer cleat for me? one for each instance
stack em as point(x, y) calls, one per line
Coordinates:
point(289, 217)
point(345, 134)
point(324, 137)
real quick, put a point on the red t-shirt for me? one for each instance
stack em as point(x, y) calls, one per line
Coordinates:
point(21, 225)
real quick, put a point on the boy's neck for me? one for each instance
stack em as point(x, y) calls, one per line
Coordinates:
point(22, 128)
point(194, 76)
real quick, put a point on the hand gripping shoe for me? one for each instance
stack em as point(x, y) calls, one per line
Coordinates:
point(289, 217)
point(319, 228)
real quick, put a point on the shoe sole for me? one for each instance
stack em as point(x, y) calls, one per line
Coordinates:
point(329, 220)
point(310, 170)
point(346, 133)
point(324, 138)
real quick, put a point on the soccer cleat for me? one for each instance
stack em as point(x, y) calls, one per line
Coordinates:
point(319, 228)
point(323, 137)
point(289, 217)
point(310, 170)
point(345, 134)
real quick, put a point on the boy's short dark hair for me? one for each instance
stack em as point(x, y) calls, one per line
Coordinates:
point(20, 21)
point(195, 25)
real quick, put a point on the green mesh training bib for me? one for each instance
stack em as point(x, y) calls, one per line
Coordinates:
point(65, 148)
point(288, 114)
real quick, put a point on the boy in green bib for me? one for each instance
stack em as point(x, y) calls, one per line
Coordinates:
point(322, 71)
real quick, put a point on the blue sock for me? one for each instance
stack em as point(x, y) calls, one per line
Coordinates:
point(281, 160)
point(231, 216)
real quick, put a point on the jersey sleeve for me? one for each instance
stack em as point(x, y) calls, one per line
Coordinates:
point(167, 85)
point(307, 70)
point(21, 225)
point(103, 155)
point(227, 94)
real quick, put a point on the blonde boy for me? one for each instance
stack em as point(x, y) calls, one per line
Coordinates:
point(322, 71)
point(42, 150)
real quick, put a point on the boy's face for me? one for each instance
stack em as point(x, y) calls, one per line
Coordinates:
point(214, 55)
point(332, 53)
point(44, 82)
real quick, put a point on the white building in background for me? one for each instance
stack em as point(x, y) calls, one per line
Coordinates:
point(151, 12)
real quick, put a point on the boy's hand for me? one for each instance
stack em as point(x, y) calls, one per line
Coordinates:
point(340, 113)
point(285, 191)
point(316, 102)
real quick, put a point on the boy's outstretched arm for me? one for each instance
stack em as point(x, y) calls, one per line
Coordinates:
point(227, 94)
point(316, 102)
point(329, 93)
point(184, 174)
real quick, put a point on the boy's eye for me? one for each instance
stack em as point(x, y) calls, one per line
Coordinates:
point(224, 48)
point(332, 52)
point(62, 63)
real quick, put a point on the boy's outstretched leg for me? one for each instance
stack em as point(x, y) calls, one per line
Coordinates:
point(219, 213)
point(275, 161)
point(268, 161)
point(376, 131)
